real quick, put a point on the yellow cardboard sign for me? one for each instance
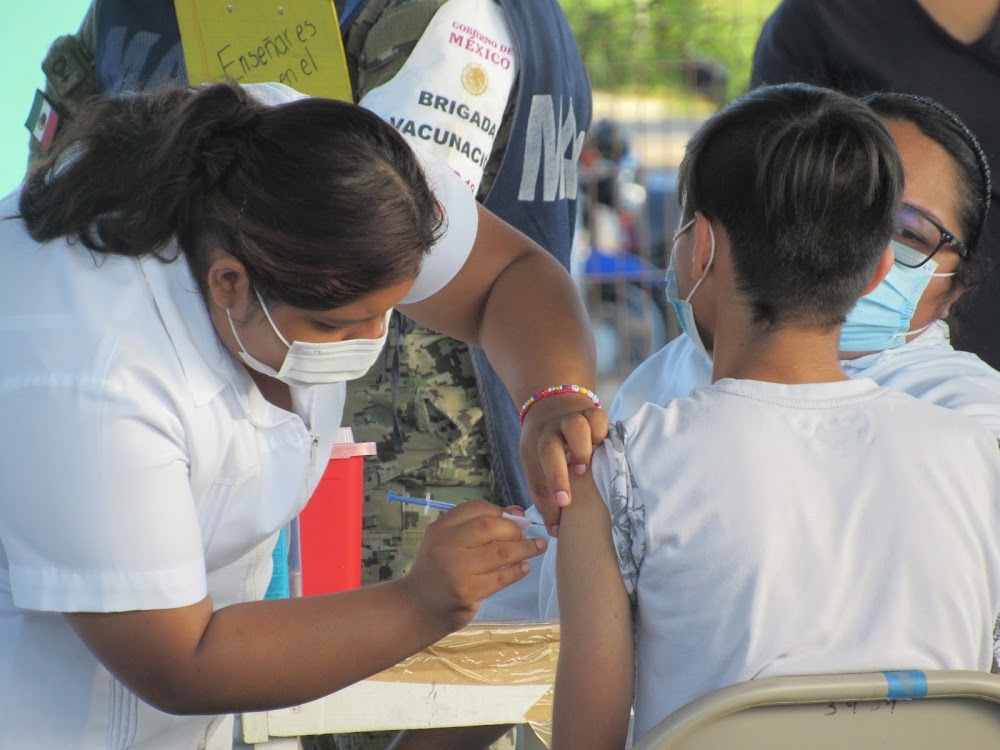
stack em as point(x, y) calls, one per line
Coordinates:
point(295, 42)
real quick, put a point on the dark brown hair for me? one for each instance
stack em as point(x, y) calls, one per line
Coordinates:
point(972, 168)
point(322, 201)
point(806, 182)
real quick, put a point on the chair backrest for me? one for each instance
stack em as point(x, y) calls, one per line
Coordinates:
point(956, 710)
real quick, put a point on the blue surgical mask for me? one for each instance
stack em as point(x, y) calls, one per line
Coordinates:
point(683, 307)
point(881, 319)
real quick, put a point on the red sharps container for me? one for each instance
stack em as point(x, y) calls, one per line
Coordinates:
point(327, 533)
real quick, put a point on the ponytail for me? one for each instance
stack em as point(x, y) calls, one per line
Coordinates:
point(322, 201)
point(133, 172)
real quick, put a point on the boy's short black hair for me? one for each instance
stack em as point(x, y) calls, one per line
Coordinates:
point(806, 182)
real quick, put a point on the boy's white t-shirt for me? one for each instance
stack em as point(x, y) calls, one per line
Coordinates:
point(773, 530)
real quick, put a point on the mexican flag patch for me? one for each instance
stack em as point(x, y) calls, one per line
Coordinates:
point(43, 121)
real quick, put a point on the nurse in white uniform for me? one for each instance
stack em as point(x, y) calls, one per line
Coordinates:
point(897, 335)
point(185, 285)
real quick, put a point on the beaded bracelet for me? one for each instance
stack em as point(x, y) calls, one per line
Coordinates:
point(554, 390)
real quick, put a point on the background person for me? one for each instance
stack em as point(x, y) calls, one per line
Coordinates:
point(943, 49)
point(700, 578)
point(172, 386)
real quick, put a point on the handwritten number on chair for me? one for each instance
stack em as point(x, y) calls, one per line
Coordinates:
point(853, 706)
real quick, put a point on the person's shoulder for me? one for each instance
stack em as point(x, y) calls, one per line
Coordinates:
point(821, 41)
point(936, 359)
point(940, 375)
point(703, 410)
point(844, 18)
point(382, 37)
point(81, 320)
point(12, 228)
point(32, 268)
point(672, 372)
point(817, 12)
point(959, 441)
point(918, 417)
point(794, 16)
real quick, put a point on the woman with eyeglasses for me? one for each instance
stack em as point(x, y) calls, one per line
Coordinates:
point(897, 335)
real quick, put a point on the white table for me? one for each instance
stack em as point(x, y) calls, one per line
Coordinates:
point(486, 673)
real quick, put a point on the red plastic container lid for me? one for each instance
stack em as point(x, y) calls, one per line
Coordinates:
point(349, 450)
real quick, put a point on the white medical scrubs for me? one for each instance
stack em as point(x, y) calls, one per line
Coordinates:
point(140, 468)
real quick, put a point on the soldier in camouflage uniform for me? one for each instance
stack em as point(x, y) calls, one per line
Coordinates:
point(422, 406)
point(69, 75)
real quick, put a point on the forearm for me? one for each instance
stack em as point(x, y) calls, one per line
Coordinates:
point(261, 655)
point(271, 653)
point(521, 306)
point(595, 676)
point(266, 654)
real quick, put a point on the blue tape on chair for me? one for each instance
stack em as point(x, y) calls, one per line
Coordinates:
point(906, 686)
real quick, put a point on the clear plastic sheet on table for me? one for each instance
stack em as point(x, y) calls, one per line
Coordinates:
point(491, 653)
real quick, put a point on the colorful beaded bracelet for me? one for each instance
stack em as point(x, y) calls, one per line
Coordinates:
point(554, 390)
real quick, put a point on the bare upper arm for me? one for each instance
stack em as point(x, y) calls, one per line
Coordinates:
point(149, 651)
point(457, 309)
point(596, 623)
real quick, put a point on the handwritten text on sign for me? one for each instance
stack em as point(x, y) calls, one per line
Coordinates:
point(284, 46)
point(297, 43)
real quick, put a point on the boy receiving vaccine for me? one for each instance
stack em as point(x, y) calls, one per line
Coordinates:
point(784, 519)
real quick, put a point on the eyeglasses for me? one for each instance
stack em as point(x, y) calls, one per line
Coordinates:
point(917, 231)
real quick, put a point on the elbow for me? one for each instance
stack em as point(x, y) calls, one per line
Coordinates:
point(174, 696)
point(170, 701)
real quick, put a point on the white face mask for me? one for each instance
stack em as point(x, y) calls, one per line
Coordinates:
point(310, 364)
point(683, 307)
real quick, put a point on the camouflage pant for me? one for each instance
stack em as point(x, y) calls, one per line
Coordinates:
point(444, 452)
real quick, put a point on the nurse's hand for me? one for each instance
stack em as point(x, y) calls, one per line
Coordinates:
point(465, 556)
point(558, 436)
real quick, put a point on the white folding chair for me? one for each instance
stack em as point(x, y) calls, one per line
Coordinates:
point(936, 710)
